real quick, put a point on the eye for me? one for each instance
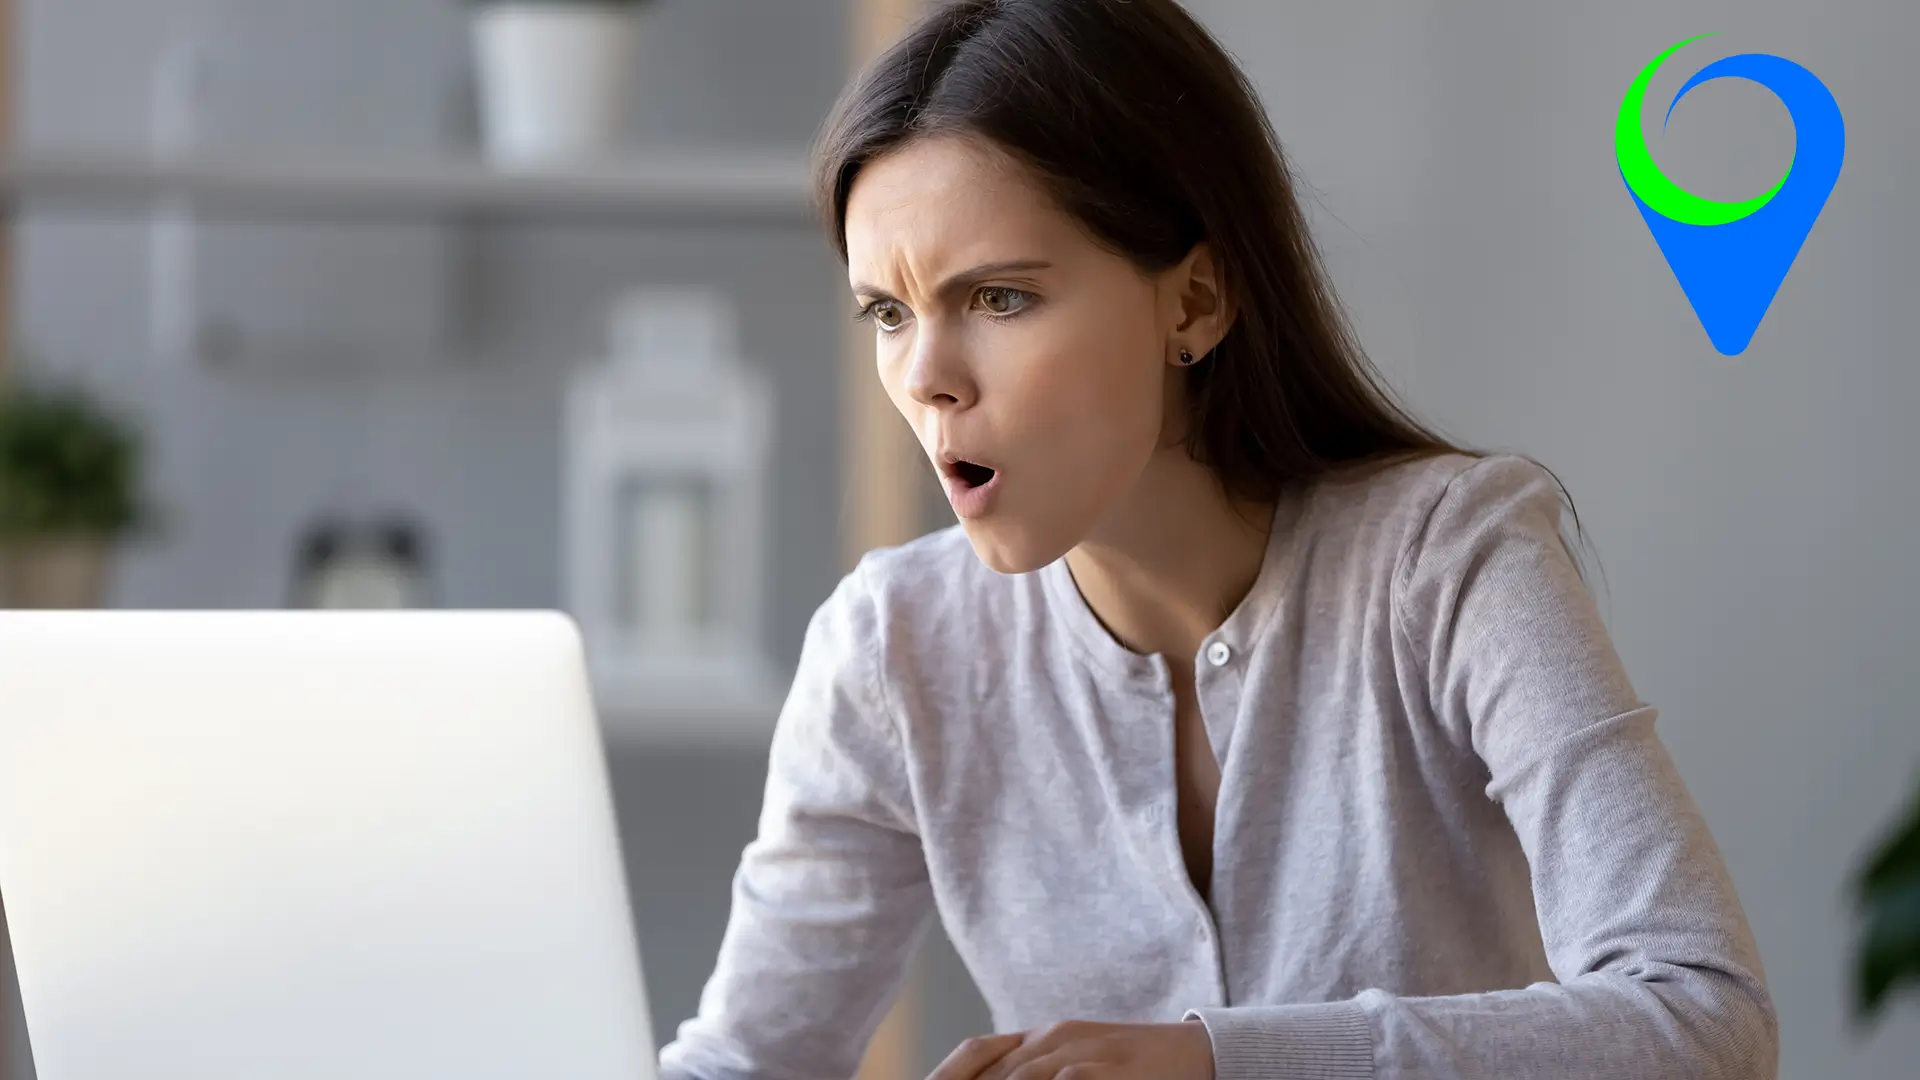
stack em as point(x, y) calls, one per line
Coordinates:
point(885, 314)
point(1002, 302)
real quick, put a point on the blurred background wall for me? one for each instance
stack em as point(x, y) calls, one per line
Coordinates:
point(1753, 515)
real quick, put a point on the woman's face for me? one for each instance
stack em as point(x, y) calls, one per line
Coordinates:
point(1036, 367)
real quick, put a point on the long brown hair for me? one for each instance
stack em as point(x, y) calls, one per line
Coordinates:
point(1146, 131)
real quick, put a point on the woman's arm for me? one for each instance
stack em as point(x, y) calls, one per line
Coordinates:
point(832, 894)
point(1658, 973)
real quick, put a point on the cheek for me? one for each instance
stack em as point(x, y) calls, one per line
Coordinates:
point(1097, 396)
point(892, 357)
point(1084, 412)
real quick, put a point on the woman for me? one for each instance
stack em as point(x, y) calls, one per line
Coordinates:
point(1245, 728)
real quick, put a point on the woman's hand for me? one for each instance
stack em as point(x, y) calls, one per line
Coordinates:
point(1086, 1051)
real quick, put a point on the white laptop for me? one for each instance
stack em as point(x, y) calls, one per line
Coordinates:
point(313, 845)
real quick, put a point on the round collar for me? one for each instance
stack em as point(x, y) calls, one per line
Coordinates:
point(1244, 628)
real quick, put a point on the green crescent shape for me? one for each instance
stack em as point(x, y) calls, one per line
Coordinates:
point(1644, 177)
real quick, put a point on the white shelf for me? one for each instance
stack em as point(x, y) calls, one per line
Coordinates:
point(669, 185)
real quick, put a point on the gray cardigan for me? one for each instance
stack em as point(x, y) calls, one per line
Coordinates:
point(1448, 843)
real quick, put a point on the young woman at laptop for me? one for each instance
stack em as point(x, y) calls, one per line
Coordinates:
point(1246, 727)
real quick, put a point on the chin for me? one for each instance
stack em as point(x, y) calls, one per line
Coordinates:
point(1007, 548)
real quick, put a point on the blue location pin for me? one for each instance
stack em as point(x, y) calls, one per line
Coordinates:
point(1730, 257)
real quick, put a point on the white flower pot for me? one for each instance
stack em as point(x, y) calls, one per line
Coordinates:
point(555, 79)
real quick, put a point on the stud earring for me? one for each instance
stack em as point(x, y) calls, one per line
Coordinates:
point(1186, 358)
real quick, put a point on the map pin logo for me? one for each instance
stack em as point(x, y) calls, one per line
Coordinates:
point(1730, 257)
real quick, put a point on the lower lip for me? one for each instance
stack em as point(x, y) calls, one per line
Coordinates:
point(972, 502)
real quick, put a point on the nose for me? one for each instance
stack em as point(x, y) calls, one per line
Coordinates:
point(938, 374)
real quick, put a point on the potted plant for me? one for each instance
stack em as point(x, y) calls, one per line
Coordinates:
point(1888, 894)
point(555, 77)
point(69, 476)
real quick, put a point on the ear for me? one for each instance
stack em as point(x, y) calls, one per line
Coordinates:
point(1200, 309)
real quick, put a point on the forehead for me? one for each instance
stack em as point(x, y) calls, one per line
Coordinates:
point(944, 203)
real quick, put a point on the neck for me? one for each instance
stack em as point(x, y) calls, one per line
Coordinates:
point(1168, 566)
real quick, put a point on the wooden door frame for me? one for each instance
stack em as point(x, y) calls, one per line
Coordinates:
point(880, 461)
point(882, 472)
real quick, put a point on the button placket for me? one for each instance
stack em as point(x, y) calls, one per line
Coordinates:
point(1218, 683)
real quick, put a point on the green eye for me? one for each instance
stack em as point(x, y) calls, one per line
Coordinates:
point(884, 313)
point(999, 300)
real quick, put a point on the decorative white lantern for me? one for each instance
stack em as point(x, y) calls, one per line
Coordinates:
point(668, 448)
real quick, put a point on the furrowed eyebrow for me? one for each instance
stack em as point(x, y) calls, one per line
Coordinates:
point(963, 278)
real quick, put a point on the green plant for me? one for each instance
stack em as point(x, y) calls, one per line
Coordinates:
point(68, 465)
point(1888, 893)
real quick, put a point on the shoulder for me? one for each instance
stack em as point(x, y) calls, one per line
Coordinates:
point(1447, 528)
point(935, 574)
point(1411, 507)
point(909, 603)
point(1411, 492)
point(909, 630)
point(1375, 532)
point(885, 620)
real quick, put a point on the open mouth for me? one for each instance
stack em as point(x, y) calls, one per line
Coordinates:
point(972, 488)
point(970, 474)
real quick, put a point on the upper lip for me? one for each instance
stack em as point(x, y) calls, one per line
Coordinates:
point(950, 461)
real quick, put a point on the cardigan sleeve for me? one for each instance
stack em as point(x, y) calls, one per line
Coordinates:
point(1658, 975)
point(832, 895)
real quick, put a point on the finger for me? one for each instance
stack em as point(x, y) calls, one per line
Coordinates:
point(972, 1057)
point(1046, 1066)
point(1026, 1060)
